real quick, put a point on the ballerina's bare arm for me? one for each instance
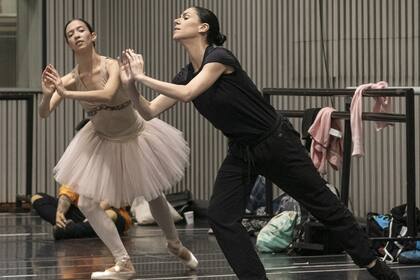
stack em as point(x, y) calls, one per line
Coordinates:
point(104, 95)
point(147, 109)
point(50, 97)
point(185, 93)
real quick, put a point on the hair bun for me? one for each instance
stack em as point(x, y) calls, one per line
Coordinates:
point(220, 39)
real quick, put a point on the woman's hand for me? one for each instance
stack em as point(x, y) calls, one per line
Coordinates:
point(136, 63)
point(52, 76)
point(126, 75)
point(60, 220)
point(48, 87)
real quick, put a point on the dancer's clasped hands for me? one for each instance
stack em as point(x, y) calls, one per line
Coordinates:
point(51, 81)
point(48, 87)
point(131, 66)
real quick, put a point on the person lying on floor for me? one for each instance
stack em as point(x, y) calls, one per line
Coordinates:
point(65, 216)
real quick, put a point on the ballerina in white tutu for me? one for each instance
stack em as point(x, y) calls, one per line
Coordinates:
point(118, 155)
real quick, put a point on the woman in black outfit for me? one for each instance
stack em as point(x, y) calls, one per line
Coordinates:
point(260, 142)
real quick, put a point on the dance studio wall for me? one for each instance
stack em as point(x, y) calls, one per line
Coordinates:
point(289, 43)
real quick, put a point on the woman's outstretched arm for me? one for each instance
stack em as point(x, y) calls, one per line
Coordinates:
point(185, 93)
point(104, 95)
point(147, 109)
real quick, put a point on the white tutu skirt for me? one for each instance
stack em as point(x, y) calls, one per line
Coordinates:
point(119, 171)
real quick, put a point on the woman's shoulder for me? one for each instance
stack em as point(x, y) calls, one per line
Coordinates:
point(222, 55)
point(219, 50)
point(110, 62)
point(109, 66)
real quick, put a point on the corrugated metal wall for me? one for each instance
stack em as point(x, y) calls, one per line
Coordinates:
point(289, 43)
point(12, 149)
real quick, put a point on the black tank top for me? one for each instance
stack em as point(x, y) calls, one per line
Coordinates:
point(233, 103)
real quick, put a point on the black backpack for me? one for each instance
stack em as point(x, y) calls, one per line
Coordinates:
point(397, 227)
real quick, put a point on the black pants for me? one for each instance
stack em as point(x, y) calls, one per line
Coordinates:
point(282, 159)
point(46, 207)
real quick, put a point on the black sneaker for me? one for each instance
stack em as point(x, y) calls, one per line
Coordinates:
point(382, 271)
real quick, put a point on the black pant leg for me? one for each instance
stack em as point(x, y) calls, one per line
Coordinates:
point(284, 160)
point(227, 207)
point(74, 230)
point(75, 214)
point(81, 229)
point(46, 207)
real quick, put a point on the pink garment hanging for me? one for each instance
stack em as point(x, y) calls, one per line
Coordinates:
point(382, 105)
point(325, 147)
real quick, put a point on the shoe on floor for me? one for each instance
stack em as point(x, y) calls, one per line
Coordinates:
point(382, 271)
point(122, 270)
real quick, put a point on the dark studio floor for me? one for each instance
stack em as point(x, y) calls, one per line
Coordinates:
point(28, 251)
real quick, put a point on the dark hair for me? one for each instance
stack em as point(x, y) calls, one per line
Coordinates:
point(213, 36)
point(89, 27)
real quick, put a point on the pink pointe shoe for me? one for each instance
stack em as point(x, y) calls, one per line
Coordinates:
point(122, 270)
point(177, 249)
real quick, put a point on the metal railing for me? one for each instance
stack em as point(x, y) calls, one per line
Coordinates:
point(407, 118)
point(27, 95)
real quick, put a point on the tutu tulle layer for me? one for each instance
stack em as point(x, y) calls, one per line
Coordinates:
point(146, 164)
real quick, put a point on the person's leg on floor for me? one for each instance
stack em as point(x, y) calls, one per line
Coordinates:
point(74, 230)
point(227, 207)
point(46, 206)
point(82, 229)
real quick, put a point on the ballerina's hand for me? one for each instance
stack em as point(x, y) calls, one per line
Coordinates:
point(126, 75)
point(136, 63)
point(48, 87)
point(53, 77)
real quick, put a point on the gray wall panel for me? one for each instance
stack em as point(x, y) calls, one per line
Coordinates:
point(280, 45)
